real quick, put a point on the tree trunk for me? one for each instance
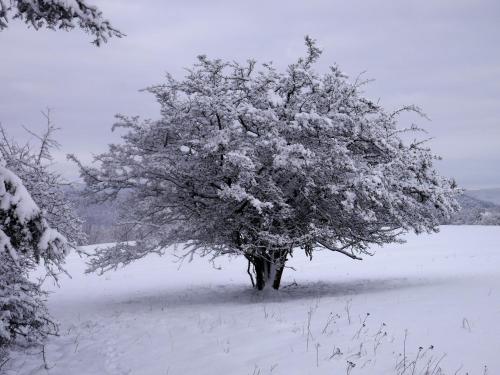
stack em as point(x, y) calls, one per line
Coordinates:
point(277, 277)
point(260, 273)
point(269, 271)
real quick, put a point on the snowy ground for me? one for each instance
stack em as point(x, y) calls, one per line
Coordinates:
point(441, 292)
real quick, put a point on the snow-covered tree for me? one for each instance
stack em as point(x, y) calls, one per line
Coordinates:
point(59, 14)
point(261, 163)
point(26, 239)
point(46, 187)
point(37, 226)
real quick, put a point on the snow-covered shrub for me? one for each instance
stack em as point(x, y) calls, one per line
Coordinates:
point(26, 240)
point(257, 162)
point(59, 14)
point(23, 314)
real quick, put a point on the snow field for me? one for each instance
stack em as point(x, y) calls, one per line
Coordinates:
point(431, 306)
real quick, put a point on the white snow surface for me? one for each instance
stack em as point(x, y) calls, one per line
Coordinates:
point(152, 317)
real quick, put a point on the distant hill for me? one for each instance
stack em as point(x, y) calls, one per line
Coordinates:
point(487, 195)
point(475, 211)
point(99, 219)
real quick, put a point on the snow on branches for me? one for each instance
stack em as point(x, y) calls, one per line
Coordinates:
point(33, 166)
point(24, 232)
point(59, 14)
point(37, 226)
point(25, 240)
point(260, 162)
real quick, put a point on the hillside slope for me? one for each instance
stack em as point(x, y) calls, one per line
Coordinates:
point(474, 211)
point(487, 195)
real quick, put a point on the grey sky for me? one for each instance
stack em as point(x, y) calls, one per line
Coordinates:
point(441, 55)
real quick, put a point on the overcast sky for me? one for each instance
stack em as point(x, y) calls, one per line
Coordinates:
point(443, 56)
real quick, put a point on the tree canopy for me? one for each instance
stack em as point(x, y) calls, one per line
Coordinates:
point(252, 161)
